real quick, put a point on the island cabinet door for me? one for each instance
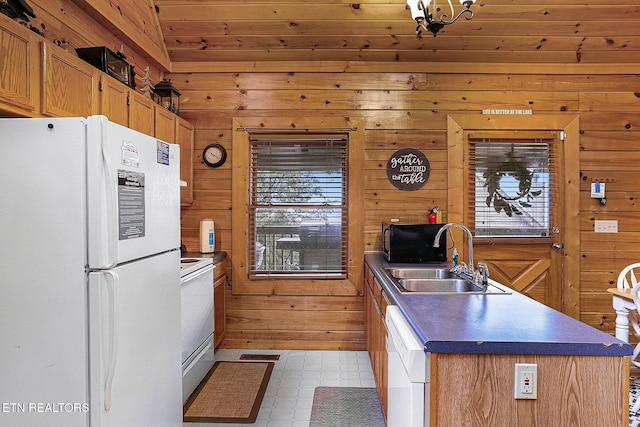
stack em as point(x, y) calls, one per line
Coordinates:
point(573, 390)
point(376, 333)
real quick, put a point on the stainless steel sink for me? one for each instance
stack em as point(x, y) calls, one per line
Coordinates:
point(436, 280)
point(419, 273)
point(438, 285)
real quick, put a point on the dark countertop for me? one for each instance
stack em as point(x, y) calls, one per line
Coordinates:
point(503, 324)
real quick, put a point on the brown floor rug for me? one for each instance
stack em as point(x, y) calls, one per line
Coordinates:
point(230, 393)
point(263, 357)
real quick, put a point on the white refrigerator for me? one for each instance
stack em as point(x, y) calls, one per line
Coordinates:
point(89, 275)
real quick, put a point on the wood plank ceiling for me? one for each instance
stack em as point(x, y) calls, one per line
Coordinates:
point(502, 31)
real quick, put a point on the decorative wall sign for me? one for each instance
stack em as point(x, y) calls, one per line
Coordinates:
point(509, 112)
point(408, 169)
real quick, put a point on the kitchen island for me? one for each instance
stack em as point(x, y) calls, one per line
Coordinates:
point(474, 342)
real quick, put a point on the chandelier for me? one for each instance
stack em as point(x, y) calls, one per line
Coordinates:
point(425, 14)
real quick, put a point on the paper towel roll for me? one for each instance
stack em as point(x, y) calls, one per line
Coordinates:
point(207, 236)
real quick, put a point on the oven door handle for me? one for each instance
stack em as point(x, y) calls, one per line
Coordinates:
point(196, 273)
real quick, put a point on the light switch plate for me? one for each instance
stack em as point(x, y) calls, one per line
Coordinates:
point(606, 226)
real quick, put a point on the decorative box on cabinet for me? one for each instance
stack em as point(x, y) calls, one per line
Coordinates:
point(219, 310)
point(69, 85)
point(185, 137)
point(19, 85)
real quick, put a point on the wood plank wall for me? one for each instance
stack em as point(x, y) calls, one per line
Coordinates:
point(402, 105)
point(409, 109)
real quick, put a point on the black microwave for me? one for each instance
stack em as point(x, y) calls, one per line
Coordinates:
point(109, 62)
point(405, 243)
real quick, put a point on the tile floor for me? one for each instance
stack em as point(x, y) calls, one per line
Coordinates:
point(289, 396)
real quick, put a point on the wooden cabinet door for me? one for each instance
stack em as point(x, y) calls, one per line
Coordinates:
point(384, 358)
point(375, 302)
point(69, 85)
point(142, 113)
point(113, 102)
point(165, 126)
point(219, 302)
point(185, 137)
point(219, 311)
point(19, 83)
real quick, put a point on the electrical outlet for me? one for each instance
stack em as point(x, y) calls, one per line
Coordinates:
point(606, 226)
point(526, 381)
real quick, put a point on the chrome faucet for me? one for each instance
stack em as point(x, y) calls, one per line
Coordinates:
point(479, 276)
point(467, 270)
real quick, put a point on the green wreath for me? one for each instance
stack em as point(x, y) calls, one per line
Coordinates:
point(501, 200)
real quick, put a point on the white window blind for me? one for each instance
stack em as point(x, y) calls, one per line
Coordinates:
point(512, 187)
point(298, 205)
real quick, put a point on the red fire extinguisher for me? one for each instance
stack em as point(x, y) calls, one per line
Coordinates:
point(433, 216)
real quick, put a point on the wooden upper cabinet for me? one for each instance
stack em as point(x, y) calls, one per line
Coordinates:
point(165, 126)
point(114, 100)
point(69, 85)
point(142, 113)
point(185, 137)
point(19, 68)
point(176, 130)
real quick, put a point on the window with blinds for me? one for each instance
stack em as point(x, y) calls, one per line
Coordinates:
point(298, 205)
point(512, 184)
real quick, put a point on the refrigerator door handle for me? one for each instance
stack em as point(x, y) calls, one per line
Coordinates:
point(111, 210)
point(112, 321)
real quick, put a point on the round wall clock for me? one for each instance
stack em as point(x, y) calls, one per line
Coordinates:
point(214, 155)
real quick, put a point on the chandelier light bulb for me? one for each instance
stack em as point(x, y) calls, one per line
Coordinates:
point(416, 9)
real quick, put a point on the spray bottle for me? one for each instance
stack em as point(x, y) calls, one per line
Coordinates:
point(454, 258)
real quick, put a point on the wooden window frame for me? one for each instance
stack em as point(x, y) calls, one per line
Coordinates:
point(240, 253)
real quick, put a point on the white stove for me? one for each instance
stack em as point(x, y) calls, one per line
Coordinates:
point(196, 297)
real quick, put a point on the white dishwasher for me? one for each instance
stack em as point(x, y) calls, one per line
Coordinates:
point(408, 374)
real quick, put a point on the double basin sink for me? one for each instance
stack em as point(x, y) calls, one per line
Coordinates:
point(436, 280)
